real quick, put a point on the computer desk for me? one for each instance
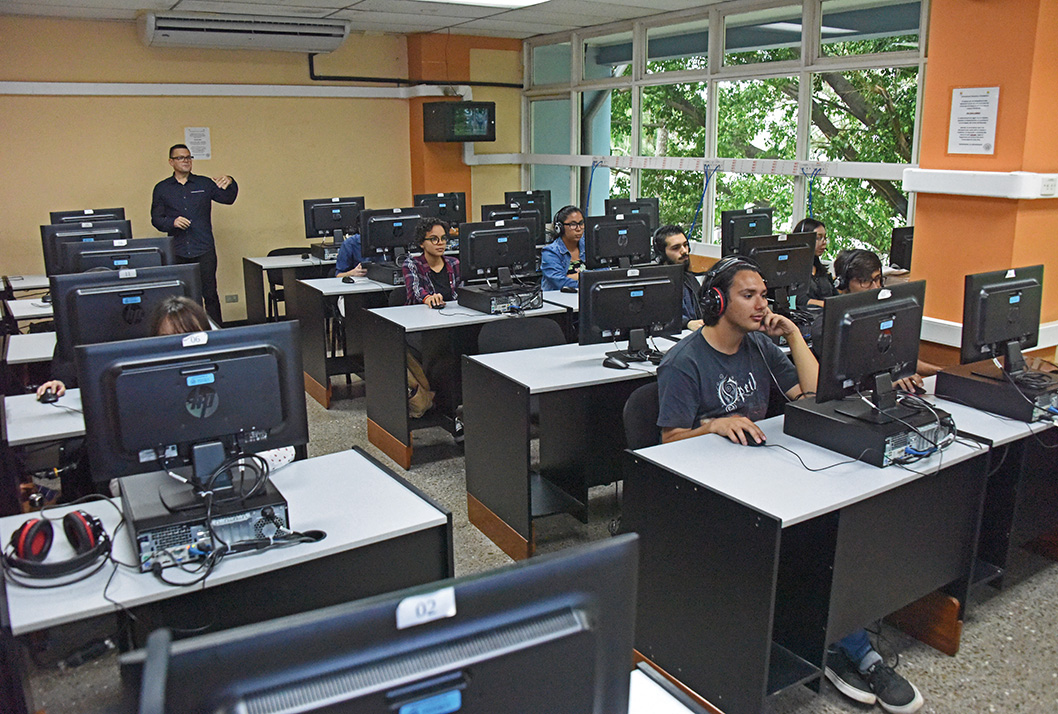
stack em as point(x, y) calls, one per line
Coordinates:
point(294, 268)
point(28, 309)
point(27, 421)
point(29, 349)
point(751, 565)
point(581, 440)
point(314, 301)
point(24, 283)
point(452, 331)
point(382, 535)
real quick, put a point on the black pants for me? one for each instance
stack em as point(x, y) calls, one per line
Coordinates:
point(207, 270)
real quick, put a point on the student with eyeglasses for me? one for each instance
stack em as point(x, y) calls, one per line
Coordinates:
point(432, 277)
point(822, 286)
point(182, 206)
point(561, 259)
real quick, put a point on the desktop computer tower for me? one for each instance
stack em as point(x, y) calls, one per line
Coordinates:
point(385, 273)
point(325, 251)
point(495, 301)
point(981, 385)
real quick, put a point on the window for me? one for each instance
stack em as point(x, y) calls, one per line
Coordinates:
point(608, 56)
point(551, 64)
point(679, 195)
point(674, 48)
point(771, 35)
point(550, 123)
point(856, 27)
point(672, 120)
point(859, 213)
point(757, 119)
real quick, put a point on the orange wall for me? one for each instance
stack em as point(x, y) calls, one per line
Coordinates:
point(981, 43)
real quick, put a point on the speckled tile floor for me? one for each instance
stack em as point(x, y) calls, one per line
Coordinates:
point(1008, 660)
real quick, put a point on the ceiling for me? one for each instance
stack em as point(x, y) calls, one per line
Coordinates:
point(397, 16)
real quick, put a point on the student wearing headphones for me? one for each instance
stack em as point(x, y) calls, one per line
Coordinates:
point(431, 278)
point(821, 286)
point(560, 260)
point(671, 248)
point(718, 380)
point(857, 270)
point(350, 261)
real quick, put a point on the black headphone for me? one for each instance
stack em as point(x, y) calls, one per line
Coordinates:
point(559, 226)
point(841, 279)
point(712, 299)
point(31, 542)
point(661, 241)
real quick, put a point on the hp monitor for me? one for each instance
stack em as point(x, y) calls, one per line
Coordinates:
point(785, 263)
point(450, 207)
point(539, 200)
point(1001, 316)
point(117, 254)
point(630, 304)
point(496, 249)
point(175, 401)
point(387, 233)
point(642, 207)
point(332, 217)
point(531, 216)
point(546, 635)
point(616, 241)
point(740, 224)
point(108, 306)
point(87, 214)
point(51, 237)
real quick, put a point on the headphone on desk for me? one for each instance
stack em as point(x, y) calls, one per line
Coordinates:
point(558, 227)
point(712, 299)
point(31, 542)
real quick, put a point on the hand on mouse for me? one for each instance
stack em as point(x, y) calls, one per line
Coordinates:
point(909, 384)
point(434, 300)
point(54, 385)
point(738, 429)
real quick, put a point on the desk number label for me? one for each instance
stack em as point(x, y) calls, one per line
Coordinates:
point(420, 609)
point(195, 339)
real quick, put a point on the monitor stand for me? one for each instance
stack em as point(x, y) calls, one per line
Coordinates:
point(883, 408)
point(638, 349)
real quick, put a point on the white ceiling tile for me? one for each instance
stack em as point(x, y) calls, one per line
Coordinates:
point(239, 6)
point(250, 8)
point(439, 9)
point(497, 23)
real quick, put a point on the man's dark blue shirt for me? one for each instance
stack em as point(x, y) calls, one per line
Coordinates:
point(192, 200)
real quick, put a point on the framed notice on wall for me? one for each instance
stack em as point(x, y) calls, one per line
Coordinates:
point(972, 127)
point(197, 140)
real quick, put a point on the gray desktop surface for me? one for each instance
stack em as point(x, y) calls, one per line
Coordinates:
point(28, 421)
point(343, 494)
point(774, 482)
point(288, 261)
point(27, 282)
point(27, 349)
point(418, 318)
point(29, 309)
point(335, 286)
point(570, 301)
point(999, 430)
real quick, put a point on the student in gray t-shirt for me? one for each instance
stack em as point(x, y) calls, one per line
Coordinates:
point(717, 380)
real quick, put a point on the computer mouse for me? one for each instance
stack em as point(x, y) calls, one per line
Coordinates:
point(348, 279)
point(568, 289)
point(750, 441)
point(438, 305)
point(46, 297)
point(614, 363)
point(304, 256)
point(919, 390)
point(48, 397)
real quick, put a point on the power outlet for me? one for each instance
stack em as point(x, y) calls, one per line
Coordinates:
point(1049, 186)
point(231, 298)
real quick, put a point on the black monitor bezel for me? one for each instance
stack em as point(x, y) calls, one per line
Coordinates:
point(972, 346)
point(73, 253)
point(531, 215)
point(313, 231)
point(639, 230)
point(377, 250)
point(439, 123)
point(458, 197)
point(750, 246)
point(52, 235)
point(590, 334)
point(540, 198)
point(86, 214)
point(626, 206)
point(728, 239)
point(901, 246)
point(468, 265)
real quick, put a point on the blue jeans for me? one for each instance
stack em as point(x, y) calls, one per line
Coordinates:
point(856, 646)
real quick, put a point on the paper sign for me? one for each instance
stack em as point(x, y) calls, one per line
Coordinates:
point(972, 128)
point(197, 140)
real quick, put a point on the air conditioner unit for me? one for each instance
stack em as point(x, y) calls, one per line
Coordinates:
point(242, 32)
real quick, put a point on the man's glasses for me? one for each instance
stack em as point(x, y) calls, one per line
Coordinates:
point(875, 281)
point(182, 158)
point(437, 240)
point(574, 224)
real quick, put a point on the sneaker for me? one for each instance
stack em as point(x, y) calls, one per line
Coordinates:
point(895, 694)
point(458, 433)
point(844, 675)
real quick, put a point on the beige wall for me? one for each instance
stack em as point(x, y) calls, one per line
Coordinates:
point(64, 152)
point(488, 183)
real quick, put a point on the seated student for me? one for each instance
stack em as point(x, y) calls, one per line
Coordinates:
point(560, 260)
point(671, 248)
point(431, 278)
point(858, 270)
point(717, 381)
point(174, 316)
point(821, 286)
point(350, 262)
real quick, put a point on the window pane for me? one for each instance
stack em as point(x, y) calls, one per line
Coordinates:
point(737, 191)
point(677, 47)
point(549, 134)
point(867, 115)
point(606, 130)
point(551, 64)
point(856, 27)
point(859, 213)
point(554, 179)
point(763, 36)
point(679, 193)
point(602, 183)
point(757, 119)
point(673, 120)
point(608, 56)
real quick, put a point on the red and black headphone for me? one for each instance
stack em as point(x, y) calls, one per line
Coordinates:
point(712, 300)
point(32, 541)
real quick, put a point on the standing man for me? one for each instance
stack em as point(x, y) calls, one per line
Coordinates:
point(671, 248)
point(181, 206)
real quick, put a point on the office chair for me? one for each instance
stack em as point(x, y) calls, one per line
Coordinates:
point(523, 334)
point(640, 417)
point(397, 297)
point(275, 282)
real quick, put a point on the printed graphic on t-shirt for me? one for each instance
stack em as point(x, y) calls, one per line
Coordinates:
point(574, 267)
point(732, 394)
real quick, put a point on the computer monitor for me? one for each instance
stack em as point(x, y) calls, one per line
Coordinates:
point(107, 306)
point(386, 234)
point(496, 249)
point(550, 634)
point(900, 248)
point(870, 339)
point(785, 263)
point(535, 219)
point(451, 207)
point(176, 401)
point(459, 121)
point(539, 200)
point(332, 217)
point(739, 224)
point(117, 254)
point(630, 304)
point(1001, 316)
point(616, 241)
point(646, 207)
point(87, 214)
point(52, 236)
